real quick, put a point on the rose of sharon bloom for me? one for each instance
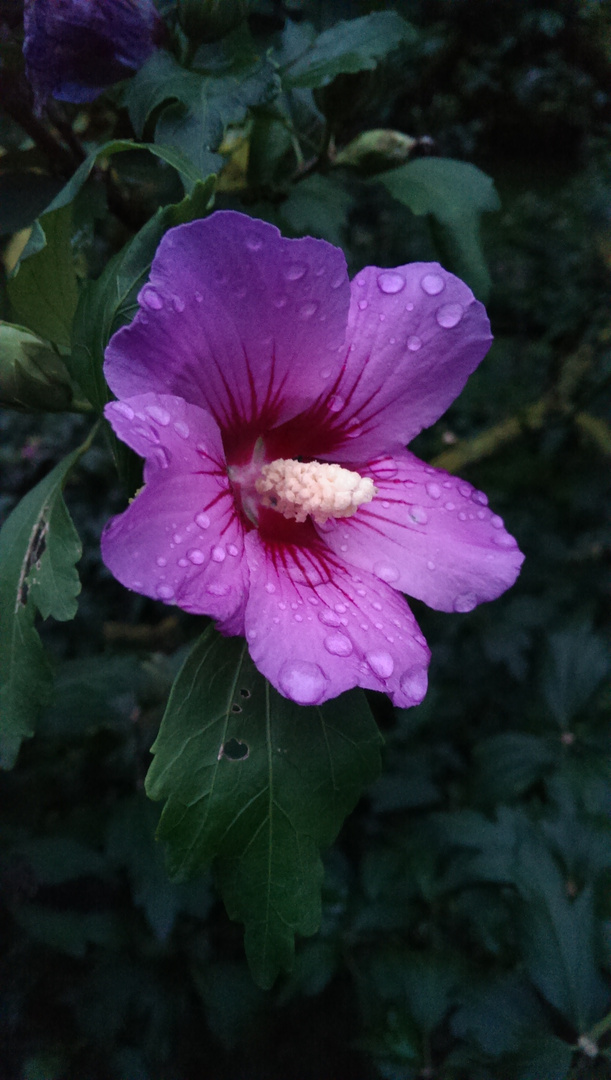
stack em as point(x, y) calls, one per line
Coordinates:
point(74, 48)
point(272, 401)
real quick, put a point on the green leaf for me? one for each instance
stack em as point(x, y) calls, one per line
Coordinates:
point(349, 46)
point(33, 376)
point(509, 763)
point(455, 194)
point(543, 1056)
point(257, 784)
point(199, 105)
point(109, 302)
point(44, 293)
point(577, 662)
point(39, 547)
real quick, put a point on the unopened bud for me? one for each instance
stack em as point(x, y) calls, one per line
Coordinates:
point(374, 151)
point(33, 378)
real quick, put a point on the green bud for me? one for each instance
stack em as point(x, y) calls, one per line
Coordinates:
point(33, 378)
point(205, 21)
point(374, 151)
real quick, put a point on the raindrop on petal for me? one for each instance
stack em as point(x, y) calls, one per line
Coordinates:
point(218, 554)
point(414, 343)
point(329, 618)
point(465, 603)
point(449, 315)
point(254, 242)
point(338, 644)
point(161, 561)
point(432, 284)
point(150, 298)
point(295, 272)
point(202, 520)
point(218, 588)
point(123, 410)
point(182, 429)
point(159, 414)
point(434, 490)
point(381, 663)
point(178, 304)
point(302, 681)
point(413, 684)
point(270, 587)
point(391, 282)
point(335, 403)
point(196, 556)
point(363, 304)
point(161, 456)
point(418, 514)
point(386, 571)
point(165, 592)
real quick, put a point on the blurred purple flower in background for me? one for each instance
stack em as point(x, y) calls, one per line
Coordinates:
point(75, 48)
point(272, 400)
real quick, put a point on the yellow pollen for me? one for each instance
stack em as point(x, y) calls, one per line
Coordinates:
point(298, 488)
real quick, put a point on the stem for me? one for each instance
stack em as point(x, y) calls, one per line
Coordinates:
point(486, 444)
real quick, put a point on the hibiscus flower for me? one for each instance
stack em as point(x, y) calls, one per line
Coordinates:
point(74, 48)
point(272, 400)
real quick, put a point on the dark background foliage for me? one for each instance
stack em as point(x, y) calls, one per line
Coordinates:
point(467, 902)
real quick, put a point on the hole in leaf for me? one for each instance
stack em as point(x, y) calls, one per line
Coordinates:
point(235, 750)
point(236, 708)
point(244, 692)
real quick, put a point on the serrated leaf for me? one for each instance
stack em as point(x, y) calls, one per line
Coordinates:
point(44, 293)
point(39, 548)
point(110, 301)
point(256, 785)
point(199, 105)
point(455, 194)
point(349, 46)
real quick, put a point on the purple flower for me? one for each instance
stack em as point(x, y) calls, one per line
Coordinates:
point(74, 48)
point(272, 400)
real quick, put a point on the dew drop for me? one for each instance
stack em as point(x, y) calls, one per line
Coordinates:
point(449, 315)
point(338, 281)
point(295, 272)
point(465, 602)
point(159, 414)
point(150, 298)
point(434, 491)
point(414, 343)
point(462, 516)
point(218, 554)
point(409, 307)
point(335, 403)
point(198, 297)
point(418, 514)
point(182, 429)
point(479, 497)
point(482, 514)
point(202, 520)
point(147, 433)
point(449, 506)
point(377, 606)
point(232, 550)
point(282, 606)
point(354, 431)
point(298, 618)
point(178, 304)
point(430, 565)
point(432, 284)
point(165, 592)
point(325, 373)
point(302, 681)
point(123, 410)
point(161, 457)
point(218, 588)
point(390, 282)
point(413, 684)
point(177, 538)
point(465, 489)
point(270, 587)
point(340, 608)
point(183, 562)
point(386, 571)
point(385, 468)
point(381, 663)
point(329, 618)
point(505, 540)
point(196, 556)
point(254, 242)
point(496, 521)
point(161, 561)
point(363, 305)
point(280, 301)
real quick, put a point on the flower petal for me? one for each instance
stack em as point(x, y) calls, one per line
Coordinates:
point(237, 319)
point(428, 534)
point(315, 628)
point(414, 336)
point(180, 540)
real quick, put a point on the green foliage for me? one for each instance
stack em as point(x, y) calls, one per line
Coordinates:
point(348, 47)
point(44, 293)
point(454, 194)
point(39, 548)
point(33, 375)
point(257, 784)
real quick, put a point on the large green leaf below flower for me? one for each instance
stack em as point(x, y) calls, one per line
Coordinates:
point(256, 785)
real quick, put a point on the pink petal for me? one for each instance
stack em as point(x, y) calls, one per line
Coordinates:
point(428, 534)
point(316, 628)
point(180, 540)
point(237, 319)
point(414, 336)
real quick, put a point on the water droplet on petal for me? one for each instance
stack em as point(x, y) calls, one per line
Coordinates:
point(363, 305)
point(381, 663)
point(496, 521)
point(338, 644)
point(254, 242)
point(218, 554)
point(505, 540)
point(178, 304)
point(430, 565)
point(159, 414)
point(270, 587)
point(123, 410)
point(307, 310)
point(390, 282)
point(325, 373)
point(202, 520)
point(449, 506)
point(479, 497)
point(182, 562)
point(418, 514)
point(196, 556)
point(434, 491)
point(465, 489)
point(147, 433)
point(198, 297)
point(165, 592)
point(414, 343)
point(465, 603)
point(329, 618)
point(339, 280)
point(295, 271)
point(280, 301)
point(385, 468)
point(161, 561)
point(182, 429)
point(386, 571)
point(161, 456)
point(218, 588)
point(232, 550)
point(298, 618)
point(302, 681)
point(432, 284)
point(449, 315)
point(354, 431)
point(413, 684)
point(482, 514)
point(177, 538)
point(335, 403)
point(462, 515)
point(150, 298)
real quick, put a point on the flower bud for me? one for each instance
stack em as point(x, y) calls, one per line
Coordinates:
point(374, 151)
point(33, 377)
point(205, 21)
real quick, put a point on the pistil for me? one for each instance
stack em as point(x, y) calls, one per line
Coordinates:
point(297, 489)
